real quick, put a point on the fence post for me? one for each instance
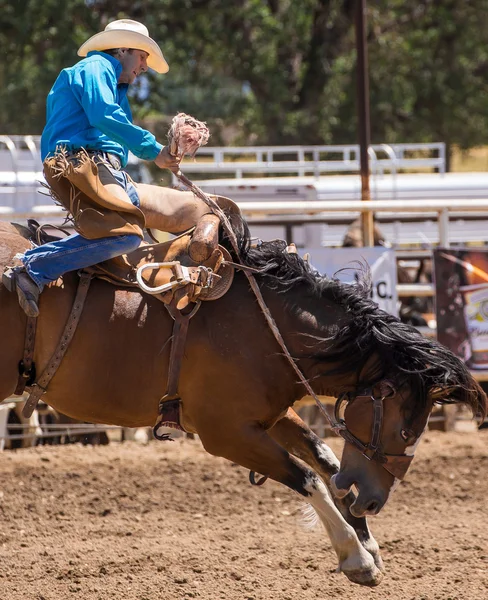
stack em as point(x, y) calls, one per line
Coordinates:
point(443, 219)
point(449, 412)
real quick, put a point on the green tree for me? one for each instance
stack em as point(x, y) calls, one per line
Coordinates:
point(428, 73)
point(270, 71)
point(265, 65)
point(38, 38)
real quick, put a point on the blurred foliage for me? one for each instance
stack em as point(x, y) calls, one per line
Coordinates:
point(270, 71)
point(433, 57)
point(37, 39)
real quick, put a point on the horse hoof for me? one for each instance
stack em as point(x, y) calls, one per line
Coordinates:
point(370, 577)
point(378, 561)
point(372, 547)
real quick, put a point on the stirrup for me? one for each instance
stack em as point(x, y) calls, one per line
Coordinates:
point(201, 276)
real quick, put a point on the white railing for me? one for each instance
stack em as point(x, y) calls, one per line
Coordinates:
point(317, 160)
point(21, 154)
point(435, 213)
point(440, 209)
point(20, 172)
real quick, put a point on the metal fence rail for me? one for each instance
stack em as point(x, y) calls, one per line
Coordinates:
point(21, 167)
point(21, 153)
point(317, 160)
point(437, 209)
point(28, 432)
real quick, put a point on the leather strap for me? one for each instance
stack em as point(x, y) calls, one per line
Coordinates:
point(171, 400)
point(26, 365)
point(178, 340)
point(396, 464)
point(40, 387)
point(377, 422)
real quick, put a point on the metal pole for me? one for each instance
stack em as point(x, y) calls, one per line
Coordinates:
point(443, 219)
point(367, 225)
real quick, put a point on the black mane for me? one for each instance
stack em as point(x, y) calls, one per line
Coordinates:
point(403, 350)
point(282, 269)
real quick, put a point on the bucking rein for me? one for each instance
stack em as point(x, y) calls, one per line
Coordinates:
point(170, 402)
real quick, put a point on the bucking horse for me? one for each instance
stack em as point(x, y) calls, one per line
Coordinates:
point(236, 386)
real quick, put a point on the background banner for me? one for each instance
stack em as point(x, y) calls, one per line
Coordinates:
point(461, 282)
point(381, 261)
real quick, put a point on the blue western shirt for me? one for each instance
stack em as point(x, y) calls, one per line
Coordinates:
point(87, 108)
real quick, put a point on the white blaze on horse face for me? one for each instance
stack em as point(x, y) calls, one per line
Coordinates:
point(394, 485)
point(409, 451)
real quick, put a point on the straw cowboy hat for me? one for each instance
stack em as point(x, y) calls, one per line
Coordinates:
point(126, 33)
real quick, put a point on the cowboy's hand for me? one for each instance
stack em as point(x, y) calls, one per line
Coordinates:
point(165, 160)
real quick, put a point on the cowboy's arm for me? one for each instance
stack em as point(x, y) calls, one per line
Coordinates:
point(96, 90)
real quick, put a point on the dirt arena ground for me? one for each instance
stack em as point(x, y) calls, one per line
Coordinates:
point(167, 521)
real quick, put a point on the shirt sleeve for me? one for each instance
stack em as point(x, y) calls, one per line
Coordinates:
point(96, 89)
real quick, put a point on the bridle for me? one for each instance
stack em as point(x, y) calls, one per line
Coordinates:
point(396, 464)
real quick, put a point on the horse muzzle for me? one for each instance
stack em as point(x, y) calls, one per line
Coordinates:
point(367, 505)
point(340, 485)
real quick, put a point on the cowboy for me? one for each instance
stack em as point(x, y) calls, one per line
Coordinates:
point(89, 123)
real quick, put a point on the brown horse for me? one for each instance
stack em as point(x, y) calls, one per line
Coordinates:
point(236, 386)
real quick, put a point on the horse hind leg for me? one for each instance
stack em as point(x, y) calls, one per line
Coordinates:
point(296, 437)
point(253, 448)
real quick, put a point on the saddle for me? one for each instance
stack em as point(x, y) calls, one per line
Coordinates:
point(187, 268)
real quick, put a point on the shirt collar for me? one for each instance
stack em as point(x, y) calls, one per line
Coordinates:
point(115, 62)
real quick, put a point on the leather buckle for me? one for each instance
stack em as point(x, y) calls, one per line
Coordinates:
point(207, 278)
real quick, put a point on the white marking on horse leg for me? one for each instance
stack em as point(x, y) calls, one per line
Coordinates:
point(325, 454)
point(331, 463)
point(309, 517)
point(354, 560)
point(342, 535)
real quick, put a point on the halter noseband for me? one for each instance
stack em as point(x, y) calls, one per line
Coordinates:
point(396, 464)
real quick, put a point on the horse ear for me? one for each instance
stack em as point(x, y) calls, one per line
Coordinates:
point(307, 257)
point(292, 249)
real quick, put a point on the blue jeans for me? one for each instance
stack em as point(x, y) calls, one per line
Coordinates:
point(48, 262)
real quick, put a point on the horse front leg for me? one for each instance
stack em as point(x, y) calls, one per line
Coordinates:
point(296, 437)
point(252, 447)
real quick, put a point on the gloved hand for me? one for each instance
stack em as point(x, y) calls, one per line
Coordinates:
point(165, 160)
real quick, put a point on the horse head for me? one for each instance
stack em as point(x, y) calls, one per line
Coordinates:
point(383, 424)
point(386, 374)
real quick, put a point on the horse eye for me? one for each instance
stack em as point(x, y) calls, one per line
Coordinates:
point(408, 435)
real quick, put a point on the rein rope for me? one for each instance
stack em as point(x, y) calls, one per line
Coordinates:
point(248, 271)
